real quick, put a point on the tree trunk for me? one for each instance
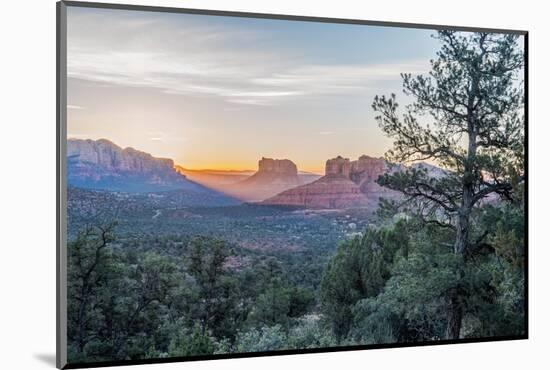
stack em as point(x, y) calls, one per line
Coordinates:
point(454, 305)
point(462, 228)
point(454, 316)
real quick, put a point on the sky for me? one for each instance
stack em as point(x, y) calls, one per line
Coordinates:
point(214, 92)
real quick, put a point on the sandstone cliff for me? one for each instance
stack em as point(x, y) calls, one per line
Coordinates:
point(273, 171)
point(110, 156)
point(346, 184)
point(101, 164)
point(273, 176)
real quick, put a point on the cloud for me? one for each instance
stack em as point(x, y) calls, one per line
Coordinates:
point(182, 56)
point(261, 102)
point(165, 136)
point(71, 106)
point(340, 79)
point(326, 132)
point(266, 94)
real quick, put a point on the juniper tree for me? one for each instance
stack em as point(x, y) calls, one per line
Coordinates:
point(466, 117)
point(214, 284)
point(88, 267)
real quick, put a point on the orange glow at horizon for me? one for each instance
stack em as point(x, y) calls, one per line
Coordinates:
point(244, 167)
point(235, 90)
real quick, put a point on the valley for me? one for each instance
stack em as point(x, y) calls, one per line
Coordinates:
point(249, 226)
point(275, 209)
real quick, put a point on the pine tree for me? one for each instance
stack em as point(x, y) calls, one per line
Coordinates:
point(474, 99)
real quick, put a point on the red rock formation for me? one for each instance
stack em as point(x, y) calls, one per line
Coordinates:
point(338, 166)
point(367, 169)
point(101, 164)
point(346, 184)
point(273, 176)
point(111, 157)
point(283, 167)
point(332, 191)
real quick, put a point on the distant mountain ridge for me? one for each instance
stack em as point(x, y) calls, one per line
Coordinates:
point(215, 179)
point(272, 177)
point(103, 165)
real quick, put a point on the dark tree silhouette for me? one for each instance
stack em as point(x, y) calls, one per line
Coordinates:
point(467, 117)
point(88, 261)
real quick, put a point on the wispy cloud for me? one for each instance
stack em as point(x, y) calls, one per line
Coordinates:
point(209, 61)
point(326, 132)
point(161, 136)
point(339, 79)
point(262, 102)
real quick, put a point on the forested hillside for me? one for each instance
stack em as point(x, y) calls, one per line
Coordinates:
point(149, 277)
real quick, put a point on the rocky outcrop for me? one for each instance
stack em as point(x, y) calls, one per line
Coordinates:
point(333, 191)
point(338, 166)
point(109, 156)
point(346, 184)
point(285, 168)
point(273, 176)
point(101, 164)
point(273, 171)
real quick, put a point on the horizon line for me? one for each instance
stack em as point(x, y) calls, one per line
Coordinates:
point(225, 168)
